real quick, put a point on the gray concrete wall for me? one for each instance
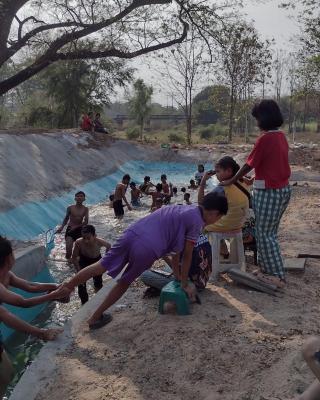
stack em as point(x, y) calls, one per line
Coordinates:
point(29, 261)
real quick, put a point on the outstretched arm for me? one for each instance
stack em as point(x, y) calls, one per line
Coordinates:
point(33, 287)
point(202, 185)
point(18, 324)
point(242, 172)
point(8, 297)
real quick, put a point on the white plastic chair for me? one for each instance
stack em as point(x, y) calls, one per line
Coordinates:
point(237, 257)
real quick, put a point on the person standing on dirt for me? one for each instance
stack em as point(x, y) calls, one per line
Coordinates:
point(272, 191)
point(77, 216)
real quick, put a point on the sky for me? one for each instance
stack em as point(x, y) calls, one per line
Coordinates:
point(271, 22)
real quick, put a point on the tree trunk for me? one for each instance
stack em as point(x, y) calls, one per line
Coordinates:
point(304, 113)
point(318, 114)
point(189, 129)
point(231, 115)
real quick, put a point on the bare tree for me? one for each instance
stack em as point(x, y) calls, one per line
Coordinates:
point(243, 57)
point(53, 30)
point(279, 69)
point(183, 67)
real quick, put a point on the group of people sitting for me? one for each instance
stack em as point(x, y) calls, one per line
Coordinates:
point(92, 124)
point(173, 231)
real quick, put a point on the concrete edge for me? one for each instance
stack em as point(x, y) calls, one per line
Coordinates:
point(41, 371)
point(29, 261)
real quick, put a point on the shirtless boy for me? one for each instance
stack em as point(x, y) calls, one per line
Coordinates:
point(135, 195)
point(86, 251)
point(76, 217)
point(156, 196)
point(119, 195)
point(146, 185)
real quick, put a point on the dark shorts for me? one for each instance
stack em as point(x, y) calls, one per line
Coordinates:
point(74, 233)
point(130, 250)
point(118, 208)
point(86, 261)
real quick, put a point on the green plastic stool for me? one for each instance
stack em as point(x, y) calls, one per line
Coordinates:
point(173, 292)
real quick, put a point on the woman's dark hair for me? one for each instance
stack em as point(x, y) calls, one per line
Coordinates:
point(5, 250)
point(159, 187)
point(228, 162)
point(268, 115)
point(215, 201)
point(88, 229)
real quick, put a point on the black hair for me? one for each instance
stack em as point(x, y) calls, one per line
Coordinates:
point(5, 250)
point(146, 178)
point(126, 177)
point(80, 192)
point(186, 195)
point(183, 189)
point(201, 166)
point(159, 199)
point(88, 229)
point(159, 187)
point(98, 115)
point(174, 189)
point(228, 162)
point(192, 181)
point(163, 176)
point(133, 184)
point(215, 201)
point(111, 197)
point(268, 115)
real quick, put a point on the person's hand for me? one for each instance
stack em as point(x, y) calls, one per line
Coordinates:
point(191, 291)
point(248, 180)
point(63, 292)
point(49, 334)
point(54, 287)
point(129, 207)
point(207, 175)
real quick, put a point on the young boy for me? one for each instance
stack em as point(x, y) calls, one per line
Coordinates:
point(193, 185)
point(135, 195)
point(158, 204)
point(173, 229)
point(76, 217)
point(157, 194)
point(146, 185)
point(165, 185)
point(186, 198)
point(119, 195)
point(199, 174)
point(86, 251)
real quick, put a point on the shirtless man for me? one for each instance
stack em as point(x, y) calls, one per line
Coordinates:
point(119, 195)
point(76, 217)
point(146, 185)
point(86, 251)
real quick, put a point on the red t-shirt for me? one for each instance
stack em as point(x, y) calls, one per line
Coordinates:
point(86, 123)
point(270, 160)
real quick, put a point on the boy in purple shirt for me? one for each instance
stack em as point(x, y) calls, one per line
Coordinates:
point(169, 230)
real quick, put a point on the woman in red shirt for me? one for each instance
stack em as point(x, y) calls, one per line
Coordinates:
point(272, 191)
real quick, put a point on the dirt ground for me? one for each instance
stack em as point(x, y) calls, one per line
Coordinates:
point(238, 345)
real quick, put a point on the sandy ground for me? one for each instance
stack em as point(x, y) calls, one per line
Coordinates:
point(238, 345)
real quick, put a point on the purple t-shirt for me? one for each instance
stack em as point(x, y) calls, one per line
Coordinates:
point(165, 230)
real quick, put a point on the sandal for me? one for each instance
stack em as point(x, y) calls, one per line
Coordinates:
point(104, 320)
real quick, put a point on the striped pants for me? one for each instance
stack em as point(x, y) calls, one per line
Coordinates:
point(269, 206)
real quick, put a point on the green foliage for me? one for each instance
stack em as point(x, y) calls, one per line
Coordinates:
point(206, 132)
point(176, 138)
point(133, 132)
point(140, 103)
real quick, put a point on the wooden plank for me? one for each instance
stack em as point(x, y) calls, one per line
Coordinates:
point(295, 264)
